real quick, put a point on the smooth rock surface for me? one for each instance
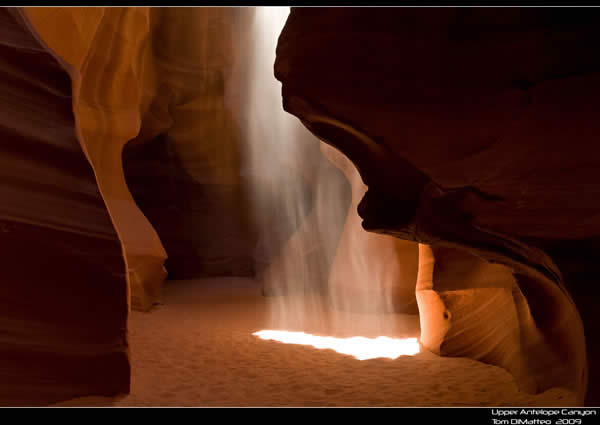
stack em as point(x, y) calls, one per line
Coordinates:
point(114, 85)
point(63, 298)
point(473, 129)
point(187, 180)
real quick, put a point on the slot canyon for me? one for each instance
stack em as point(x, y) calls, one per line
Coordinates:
point(275, 206)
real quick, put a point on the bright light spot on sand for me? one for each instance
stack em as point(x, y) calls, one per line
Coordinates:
point(360, 347)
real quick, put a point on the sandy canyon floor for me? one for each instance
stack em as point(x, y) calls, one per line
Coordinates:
point(197, 349)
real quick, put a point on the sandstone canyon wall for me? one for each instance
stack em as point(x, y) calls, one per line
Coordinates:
point(107, 53)
point(142, 96)
point(64, 291)
point(80, 84)
point(475, 132)
point(152, 119)
point(187, 181)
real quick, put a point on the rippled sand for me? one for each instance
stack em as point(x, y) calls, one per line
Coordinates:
point(197, 349)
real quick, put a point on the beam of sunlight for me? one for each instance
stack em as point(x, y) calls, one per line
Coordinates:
point(359, 347)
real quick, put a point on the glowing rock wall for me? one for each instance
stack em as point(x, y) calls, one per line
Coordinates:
point(80, 84)
point(107, 53)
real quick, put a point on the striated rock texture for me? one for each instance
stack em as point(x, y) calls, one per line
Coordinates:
point(475, 132)
point(80, 83)
point(149, 104)
point(107, 53)
point(63, 298)
point(472, 308)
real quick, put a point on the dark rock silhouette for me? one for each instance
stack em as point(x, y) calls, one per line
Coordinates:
point(474, 130)
point(64, 293)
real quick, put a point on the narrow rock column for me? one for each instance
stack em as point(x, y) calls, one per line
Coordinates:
point(433, 314)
